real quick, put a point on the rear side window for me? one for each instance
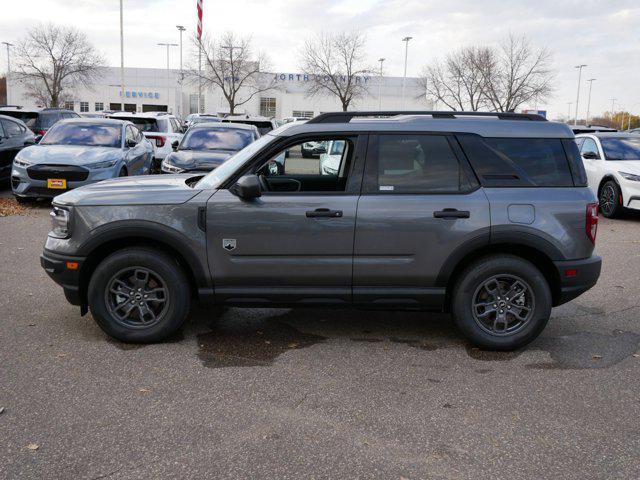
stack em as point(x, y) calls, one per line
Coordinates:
point(517, 162)
point(11, 129)
point(575, 163)
point(413, 163)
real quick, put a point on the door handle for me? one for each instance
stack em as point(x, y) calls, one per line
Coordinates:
point(324, 212)
point(452, 213)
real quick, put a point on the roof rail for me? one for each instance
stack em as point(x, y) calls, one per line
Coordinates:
point(345, 117)
point(11, 106)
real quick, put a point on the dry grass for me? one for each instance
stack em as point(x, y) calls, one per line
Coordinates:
point(9, 206)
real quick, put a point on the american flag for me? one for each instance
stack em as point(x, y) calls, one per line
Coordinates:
point(199, 5)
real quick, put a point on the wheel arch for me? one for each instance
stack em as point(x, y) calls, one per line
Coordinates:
point(540, 258)
point(116, 237)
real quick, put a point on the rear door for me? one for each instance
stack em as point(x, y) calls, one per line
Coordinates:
point(420, 205)
point(295, 242)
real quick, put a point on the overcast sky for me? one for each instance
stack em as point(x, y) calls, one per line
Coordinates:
point(605, 35)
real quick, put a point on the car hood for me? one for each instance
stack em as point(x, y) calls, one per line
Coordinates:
point(628, 166)
point(142, 190)
point(68, 154)
point(198, 159)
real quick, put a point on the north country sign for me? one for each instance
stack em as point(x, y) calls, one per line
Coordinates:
point(305, 77)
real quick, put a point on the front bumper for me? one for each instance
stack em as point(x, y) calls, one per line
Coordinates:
point(65, 271)
point(25, 186)
point(576, 277)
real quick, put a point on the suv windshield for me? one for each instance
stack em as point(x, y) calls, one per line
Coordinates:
point(216, 139)
point(621, 148)
point(29, 118)
point(218, 176)
point(144, 124)
point(83, 134)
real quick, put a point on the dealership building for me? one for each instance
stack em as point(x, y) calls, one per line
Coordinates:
point(153, 89)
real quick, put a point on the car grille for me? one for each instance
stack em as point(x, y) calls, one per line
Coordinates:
point(70, 173)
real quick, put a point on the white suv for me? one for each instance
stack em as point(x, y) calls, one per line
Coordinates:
point(161, 128)
point(612, 163)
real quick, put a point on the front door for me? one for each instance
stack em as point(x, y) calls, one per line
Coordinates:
point(295, 242)
point(420, 205)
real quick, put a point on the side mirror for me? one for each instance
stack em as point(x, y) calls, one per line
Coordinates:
point(130, 143)
point(591, 156)
point(37, 139)
point(247, 187)
point(174, 145)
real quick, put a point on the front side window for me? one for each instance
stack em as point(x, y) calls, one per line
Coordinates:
point(418, 164)
point(312, 165)
point(83, 134)
point(621, 148)
point(589, 149)
point(229, 139)
point(130, 135)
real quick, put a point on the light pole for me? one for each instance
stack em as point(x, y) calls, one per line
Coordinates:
point(579, 67)
point(381, 60)
point(613, 103)
point(121, 59)
point(591, 80)
point(9, 45)
point(404, 77)
point(168, 45)
point(180, 29)
point(569, 112)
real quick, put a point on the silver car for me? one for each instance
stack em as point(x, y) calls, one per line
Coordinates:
point(78, 152)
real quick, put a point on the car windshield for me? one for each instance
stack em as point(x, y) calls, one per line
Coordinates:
point(621, 148)
point(29, 118)
point(216, 139)
point(86, 134)
point(218, 176)
point(144, 124)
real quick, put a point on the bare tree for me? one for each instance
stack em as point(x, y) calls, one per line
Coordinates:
point(456, 82)
point(516, 73)
point(495, 78)
point(336, 66)
point(231, 65)
point(53, 60)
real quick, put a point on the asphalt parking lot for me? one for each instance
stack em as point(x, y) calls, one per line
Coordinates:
point(294, 394)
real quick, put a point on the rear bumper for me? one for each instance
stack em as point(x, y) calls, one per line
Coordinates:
point(58, 269)
point(576, 277)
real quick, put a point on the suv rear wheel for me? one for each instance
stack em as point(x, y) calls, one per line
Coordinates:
point(501, 302)
point(139, 295)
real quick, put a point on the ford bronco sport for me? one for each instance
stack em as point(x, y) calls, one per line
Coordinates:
point(486, 216)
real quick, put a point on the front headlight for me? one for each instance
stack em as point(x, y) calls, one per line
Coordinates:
point(326, 170)
point(103, 164)
point(21, 163)
point(169, 168)
point(60, 227)
point(630, 176)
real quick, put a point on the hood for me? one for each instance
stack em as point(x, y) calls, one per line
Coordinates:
point(627, 166)
point(69, 154)
point(142, 190)
point(198, 159)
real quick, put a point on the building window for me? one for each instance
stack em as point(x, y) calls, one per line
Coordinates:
point(302, 113)
point(69, 105)
point(99, 106)
point(193, 103)
point(84, 106)
point(268, 107)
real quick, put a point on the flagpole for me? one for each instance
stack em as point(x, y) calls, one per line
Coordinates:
point(199, 7)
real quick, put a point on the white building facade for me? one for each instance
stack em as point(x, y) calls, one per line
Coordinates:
point(152, 89)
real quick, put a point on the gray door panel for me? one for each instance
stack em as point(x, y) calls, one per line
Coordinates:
point(275, 252)
point(400, 246)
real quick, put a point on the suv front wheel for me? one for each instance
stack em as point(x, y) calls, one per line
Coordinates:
point(139, 295)
point(501, 302)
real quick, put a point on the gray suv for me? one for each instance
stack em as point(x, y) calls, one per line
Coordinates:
point(486, 216)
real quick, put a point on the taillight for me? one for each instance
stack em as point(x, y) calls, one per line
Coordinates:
point(40, 132)
point(591, 224)
point(159, 140)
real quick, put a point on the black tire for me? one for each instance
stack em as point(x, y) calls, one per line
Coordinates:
point(123, 172)
point(610, 199)
point(501, 269)
point(305, 154)
point(163, 271)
